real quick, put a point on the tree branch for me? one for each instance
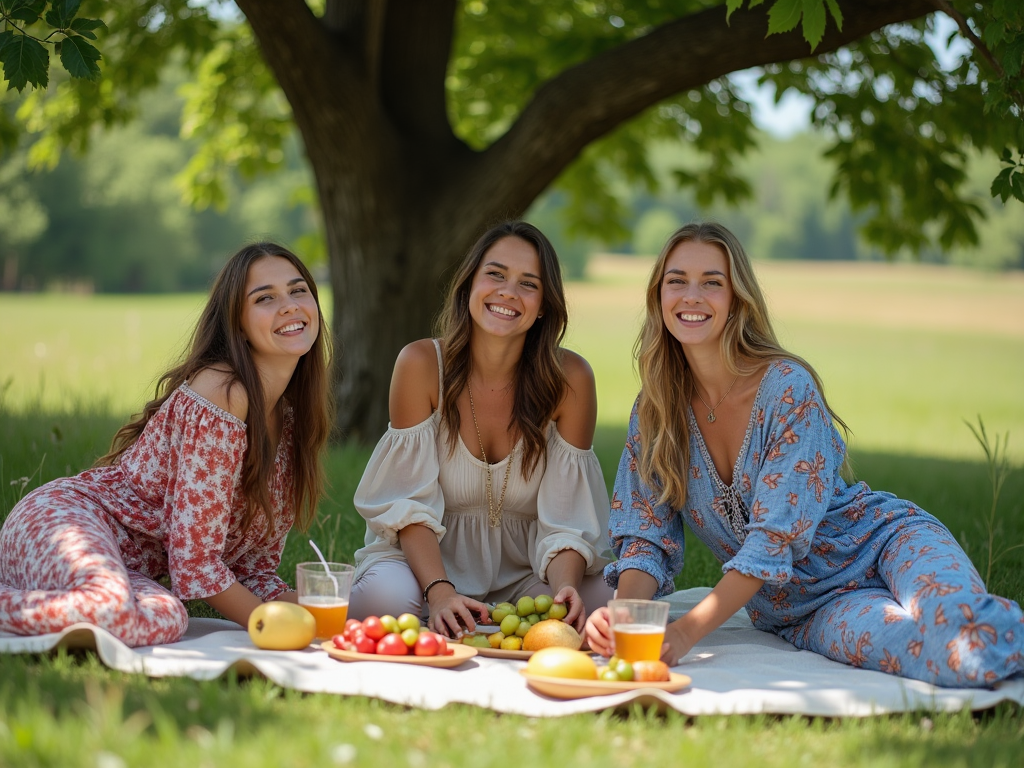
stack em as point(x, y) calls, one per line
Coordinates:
point(417, 43)
point(947, 8)
point(589, 100)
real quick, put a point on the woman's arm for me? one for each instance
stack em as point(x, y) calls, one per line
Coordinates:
point(449, 611)
point(732, 592)
point(633, 584)
point(576, 415)
point(235, 603)
point(565, 574)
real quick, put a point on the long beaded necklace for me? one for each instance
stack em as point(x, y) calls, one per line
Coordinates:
point(711, 411)
point(493, 513)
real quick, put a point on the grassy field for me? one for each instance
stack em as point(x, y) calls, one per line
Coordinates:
point(907, 353)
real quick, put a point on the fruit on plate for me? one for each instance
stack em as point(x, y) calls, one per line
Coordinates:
point(518, 618)
point(280, 626)
point(549, 633)
point(650, 671)
point(558, 661)
point(371, 636)
point(477, 640)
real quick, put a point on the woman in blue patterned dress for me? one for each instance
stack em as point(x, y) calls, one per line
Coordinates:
point(732, 436)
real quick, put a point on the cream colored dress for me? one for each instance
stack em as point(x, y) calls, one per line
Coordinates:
point(413, 478)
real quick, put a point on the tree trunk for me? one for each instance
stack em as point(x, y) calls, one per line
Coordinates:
point(403, 199)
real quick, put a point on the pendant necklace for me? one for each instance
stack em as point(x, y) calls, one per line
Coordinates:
point(493, 513)
point(711, 411)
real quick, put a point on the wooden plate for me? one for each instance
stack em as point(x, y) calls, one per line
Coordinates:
point(564, 688)
point(497, 653)
point(460, 653)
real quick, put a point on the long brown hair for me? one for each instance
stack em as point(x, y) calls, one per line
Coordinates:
point(218, 342)
point(539, 378)
point(666, 379)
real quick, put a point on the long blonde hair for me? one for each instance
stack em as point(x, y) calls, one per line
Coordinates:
point(666, 380)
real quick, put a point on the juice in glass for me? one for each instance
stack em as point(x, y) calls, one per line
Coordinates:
point(330, 614)
point(639, 642)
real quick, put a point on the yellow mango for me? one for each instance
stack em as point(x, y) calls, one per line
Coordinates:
point(280, 626)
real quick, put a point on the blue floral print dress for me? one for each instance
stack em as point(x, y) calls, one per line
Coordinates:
point(854, 574)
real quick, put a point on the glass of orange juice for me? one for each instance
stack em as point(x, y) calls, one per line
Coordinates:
point(638, 627)
point(324, 591)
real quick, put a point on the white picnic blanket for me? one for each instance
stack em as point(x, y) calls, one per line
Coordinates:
point(735, 670)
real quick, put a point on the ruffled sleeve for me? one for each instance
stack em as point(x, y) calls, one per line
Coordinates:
point(799, 472)
point(572, 505)
point(400, 485)
point(204, 464)
point(645, 535)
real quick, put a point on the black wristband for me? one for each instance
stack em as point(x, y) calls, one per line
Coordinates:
point(434, 583)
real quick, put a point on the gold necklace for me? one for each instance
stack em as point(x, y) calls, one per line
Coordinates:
point(493, 513)
point(711, 411)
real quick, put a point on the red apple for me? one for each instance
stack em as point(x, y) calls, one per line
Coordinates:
point(426, 645)
point(392, 644)
point(363, 644)
point(373, 628)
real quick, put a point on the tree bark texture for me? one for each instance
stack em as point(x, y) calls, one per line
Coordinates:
point(403, 198)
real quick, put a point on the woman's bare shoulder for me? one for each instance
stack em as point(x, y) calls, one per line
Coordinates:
point(576, 415)
point(219, 386)
point(414, 388)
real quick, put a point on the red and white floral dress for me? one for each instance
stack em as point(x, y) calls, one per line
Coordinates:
point(89, 548)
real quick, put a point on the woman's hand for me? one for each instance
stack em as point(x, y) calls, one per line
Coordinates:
point(677, 643)
point(577, 614)
point(452, 614)
point(598, 633)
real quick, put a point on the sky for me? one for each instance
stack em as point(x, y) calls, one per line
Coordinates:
point(793, 112)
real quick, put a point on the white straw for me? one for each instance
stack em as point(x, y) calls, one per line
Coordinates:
point(326, 567)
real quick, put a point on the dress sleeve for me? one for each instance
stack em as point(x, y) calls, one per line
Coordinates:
point(257, 568)
point(645, 535)
point(400, 484)
point(572, 505)
point(801, 461)
point(205, 464)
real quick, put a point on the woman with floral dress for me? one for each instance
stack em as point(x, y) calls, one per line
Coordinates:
point(201, 488)
point(732, 436)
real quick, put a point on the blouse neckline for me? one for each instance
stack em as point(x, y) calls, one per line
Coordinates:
point(741, 457)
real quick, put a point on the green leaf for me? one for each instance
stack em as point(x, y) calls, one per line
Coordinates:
point(79, 58)
point(85, 27)
point(28, 11)
point(1006, 156)
point(64, 11)
point(814, 22)
point(837, 14)
point(1001, 186)
point(731, 6)
point(1017, 186)
point(784, 15)
point(25, 62)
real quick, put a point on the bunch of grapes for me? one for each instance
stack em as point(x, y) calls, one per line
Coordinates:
point(514, 621)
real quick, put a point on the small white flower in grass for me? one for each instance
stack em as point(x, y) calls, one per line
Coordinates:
point(927, 724)
point(373, 731)
point(109, 760)
point(343, 754)
point(416, 759)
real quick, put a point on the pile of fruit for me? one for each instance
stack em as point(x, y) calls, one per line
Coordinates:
point(516, 621)
point(388, 636)
point(621, 671)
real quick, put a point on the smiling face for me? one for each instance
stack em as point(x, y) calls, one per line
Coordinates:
point(279, 314)
point(696, 293)
point(507, 294)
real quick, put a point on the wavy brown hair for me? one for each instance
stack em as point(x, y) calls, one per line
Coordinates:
point(539, 380)
point(666, 380)
point(217, 342)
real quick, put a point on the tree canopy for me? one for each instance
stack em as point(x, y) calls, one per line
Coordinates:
point(425, 122)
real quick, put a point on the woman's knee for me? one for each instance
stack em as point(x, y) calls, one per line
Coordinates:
point(387, 587)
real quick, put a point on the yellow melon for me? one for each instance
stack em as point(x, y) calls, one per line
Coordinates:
point(562, 662)
point(551, 633)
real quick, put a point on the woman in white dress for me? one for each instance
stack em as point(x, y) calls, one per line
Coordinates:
point(485, 487)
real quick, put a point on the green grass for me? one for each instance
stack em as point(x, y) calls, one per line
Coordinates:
point(898, 364)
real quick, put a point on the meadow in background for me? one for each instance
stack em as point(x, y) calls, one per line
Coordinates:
point(907, 353)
